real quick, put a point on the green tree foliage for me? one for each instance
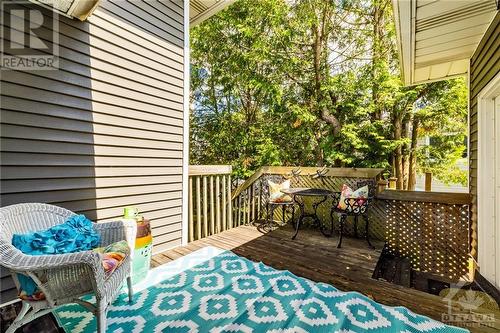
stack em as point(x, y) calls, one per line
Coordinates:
point(316, 82)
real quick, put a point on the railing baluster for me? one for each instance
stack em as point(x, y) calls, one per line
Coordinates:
point(233, 212)
point(253, 203)
point(229, 203)
point(204, 200)
point(249, 193)
point(259, 199)
point(212, 208)
point(239, 210)
point(244, 219)
point(217, 199)
point(205, 210)
point(223, 207)
point(198, 208)
point(191, 218)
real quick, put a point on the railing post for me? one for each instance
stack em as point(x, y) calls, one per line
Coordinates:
point(381, 185)
point(392, 183)
point(428, 181)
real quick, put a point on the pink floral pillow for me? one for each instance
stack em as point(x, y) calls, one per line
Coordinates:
point(361, 194)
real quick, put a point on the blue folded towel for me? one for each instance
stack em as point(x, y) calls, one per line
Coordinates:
point(74, 235)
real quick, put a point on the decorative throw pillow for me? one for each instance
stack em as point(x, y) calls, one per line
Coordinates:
point(75, 235)
point(361, 194)
point(113, 255)
point(275, 194)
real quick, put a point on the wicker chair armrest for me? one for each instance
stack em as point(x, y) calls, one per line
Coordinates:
point(111, 232)
point(17, 261)
point(57, 274)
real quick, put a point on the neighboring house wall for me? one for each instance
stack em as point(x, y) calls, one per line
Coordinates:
point(484, 65)
point(104, 131)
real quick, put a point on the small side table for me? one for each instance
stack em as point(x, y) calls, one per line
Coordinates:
point(141, 243)
point(298, 195)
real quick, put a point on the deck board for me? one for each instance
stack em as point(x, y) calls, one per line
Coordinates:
point(315, 257)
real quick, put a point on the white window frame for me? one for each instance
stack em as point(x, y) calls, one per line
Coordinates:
point(488, 230)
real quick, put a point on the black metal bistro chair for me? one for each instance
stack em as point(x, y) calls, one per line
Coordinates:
point(285, 206)
point(355, 208)
point(271, 207)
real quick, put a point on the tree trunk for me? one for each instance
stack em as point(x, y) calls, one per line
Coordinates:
point(320, 158)
point(412, 172)
point(377, 55)
point(406, 152)
point(319, 53)
point(398, 155)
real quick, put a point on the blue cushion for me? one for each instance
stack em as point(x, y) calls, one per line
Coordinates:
point(75, 235)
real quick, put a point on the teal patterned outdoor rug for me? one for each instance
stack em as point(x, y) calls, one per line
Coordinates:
point(228, 293)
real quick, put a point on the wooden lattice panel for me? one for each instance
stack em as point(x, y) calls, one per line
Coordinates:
point(433, 235)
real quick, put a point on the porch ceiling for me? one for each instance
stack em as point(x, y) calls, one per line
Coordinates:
point(436, 38)
point(200, 10)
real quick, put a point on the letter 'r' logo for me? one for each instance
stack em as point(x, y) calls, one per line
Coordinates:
point(23, 24)
point(30, 36)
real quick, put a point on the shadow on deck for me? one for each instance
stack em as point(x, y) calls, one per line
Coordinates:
point(315, 257)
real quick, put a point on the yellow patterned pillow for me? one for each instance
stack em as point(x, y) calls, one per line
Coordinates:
point(275, 194)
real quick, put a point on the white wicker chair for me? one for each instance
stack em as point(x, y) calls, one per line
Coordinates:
point(62, 278)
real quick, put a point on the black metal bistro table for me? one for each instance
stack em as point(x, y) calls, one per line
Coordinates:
point(298, 195)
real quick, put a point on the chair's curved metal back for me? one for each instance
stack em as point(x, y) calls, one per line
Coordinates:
point(29, 217)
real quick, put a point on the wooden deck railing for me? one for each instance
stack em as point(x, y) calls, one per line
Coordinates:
point(250, 198)
point(209, 200)
point(429, 228)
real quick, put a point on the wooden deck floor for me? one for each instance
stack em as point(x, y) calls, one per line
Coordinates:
point(315, 257)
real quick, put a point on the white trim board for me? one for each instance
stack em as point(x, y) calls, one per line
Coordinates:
point(488, 197)
point(216, 7)
point(185, 132)
point(437, 38)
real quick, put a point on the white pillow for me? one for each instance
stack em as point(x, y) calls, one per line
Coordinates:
point(275, 194)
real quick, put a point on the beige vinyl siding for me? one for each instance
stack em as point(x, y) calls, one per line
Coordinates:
point(484, 65)
point(105, 130)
